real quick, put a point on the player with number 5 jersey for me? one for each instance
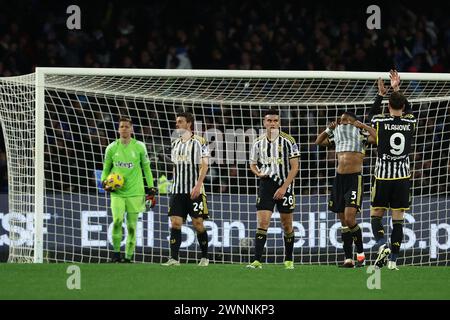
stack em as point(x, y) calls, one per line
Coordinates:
point(350, 138)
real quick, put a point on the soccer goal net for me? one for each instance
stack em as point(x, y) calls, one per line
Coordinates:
point(58, 122)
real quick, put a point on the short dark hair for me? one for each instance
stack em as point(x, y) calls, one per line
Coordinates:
point(125, 119)
point(397, 100)
point(350, 114)
point(271, 111)
point(187, 115)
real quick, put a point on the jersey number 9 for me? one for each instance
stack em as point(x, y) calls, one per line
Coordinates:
point(397, 149)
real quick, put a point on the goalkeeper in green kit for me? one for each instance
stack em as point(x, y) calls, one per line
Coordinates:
point(128, 157)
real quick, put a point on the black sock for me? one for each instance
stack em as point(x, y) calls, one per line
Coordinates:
point(260, 241)
point(203, 242)
point(357, 238)
point(289, 245)
point(347, 242)
point(396, 236)
point(377, 227)
point(175, 242)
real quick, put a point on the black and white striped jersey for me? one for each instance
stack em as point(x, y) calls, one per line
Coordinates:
point(273, 157)
point(348, 138)
point(186, 157)
point(394, 139)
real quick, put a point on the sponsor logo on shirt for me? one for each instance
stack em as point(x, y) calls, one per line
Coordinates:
point(120, 164)
point(182, 157)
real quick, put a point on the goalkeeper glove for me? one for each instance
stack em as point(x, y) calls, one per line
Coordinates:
point(106, 187)
point(150, 199)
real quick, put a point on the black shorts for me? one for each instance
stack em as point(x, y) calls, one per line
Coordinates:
point(265, 200)
point(391, 194)
point(347, 192)
point(181, 205)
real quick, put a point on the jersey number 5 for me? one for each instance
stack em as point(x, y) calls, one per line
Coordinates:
point(397, 149)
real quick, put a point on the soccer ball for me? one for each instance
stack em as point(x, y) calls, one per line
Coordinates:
point(115, 181)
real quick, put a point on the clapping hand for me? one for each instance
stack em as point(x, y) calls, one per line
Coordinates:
point(382, 90)
point(395, 80)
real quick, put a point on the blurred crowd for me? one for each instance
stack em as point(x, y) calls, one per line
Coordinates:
point(223, 34)
point(247, 35)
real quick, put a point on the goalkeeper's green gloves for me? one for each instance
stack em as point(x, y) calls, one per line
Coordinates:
point(150, 197)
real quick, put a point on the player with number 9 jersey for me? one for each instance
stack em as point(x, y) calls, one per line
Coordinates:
point(391, 188)
point(392, 166)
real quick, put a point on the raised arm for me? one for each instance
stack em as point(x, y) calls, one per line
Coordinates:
point(323, 139)
point(376, 106)
point(373, 133)
point(395, 84)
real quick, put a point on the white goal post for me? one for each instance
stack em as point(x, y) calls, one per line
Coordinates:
point(58, 121)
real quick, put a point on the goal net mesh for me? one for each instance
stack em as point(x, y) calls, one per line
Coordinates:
point(81, 115)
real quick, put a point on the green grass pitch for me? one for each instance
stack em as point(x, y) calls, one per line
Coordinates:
point(219, 282)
